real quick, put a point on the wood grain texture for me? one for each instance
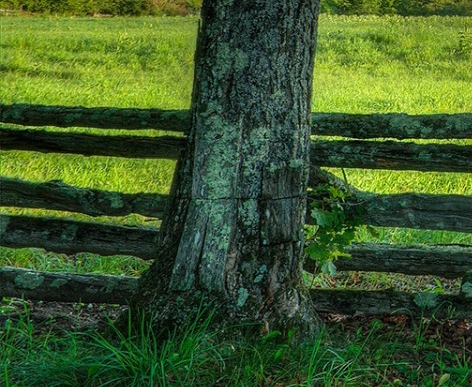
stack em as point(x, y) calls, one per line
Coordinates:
point(354, 302)
point(449, 261)
point(56, 195)
point(391, 155)
point(409, 210)
point(65, 287)
point(95, 117)
point(393, 125)
point(69, 237)
point(165, 147)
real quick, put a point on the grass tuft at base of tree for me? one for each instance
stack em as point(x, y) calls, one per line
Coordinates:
point(360, 351)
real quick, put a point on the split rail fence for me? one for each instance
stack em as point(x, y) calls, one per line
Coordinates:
point(369, 141)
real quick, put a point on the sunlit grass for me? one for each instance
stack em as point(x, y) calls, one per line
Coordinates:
point(118, 174)
point(364, 64)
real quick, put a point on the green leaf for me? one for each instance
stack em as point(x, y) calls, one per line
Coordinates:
point(349, 235)
point(342, 239)
point(336, 193)
point(335, 230)
point(323, 218)
point(316, 251)
point(329, 267)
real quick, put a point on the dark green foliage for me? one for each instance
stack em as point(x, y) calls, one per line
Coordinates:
point(184, 7)
point(105, 7)
point(401, 7)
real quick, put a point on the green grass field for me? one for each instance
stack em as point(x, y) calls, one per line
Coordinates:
point(364, 65)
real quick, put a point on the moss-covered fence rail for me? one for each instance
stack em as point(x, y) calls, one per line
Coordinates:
point(379, 141)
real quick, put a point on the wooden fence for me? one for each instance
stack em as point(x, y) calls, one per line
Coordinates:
point(361, 149)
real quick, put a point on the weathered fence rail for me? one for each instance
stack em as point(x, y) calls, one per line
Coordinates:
point(91, 145)
point(393, 125)
point(343, 154)
point(70, 237)
point(98, 117)
point(115, 289)
point(421, 211)
point(410, 210)
point(65, 287)
point(56, 195)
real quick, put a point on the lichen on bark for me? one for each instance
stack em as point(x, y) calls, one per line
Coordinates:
point(233, 235)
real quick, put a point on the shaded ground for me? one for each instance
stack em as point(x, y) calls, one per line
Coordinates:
point(59, 317)
point(383, 350)
point(454, 335)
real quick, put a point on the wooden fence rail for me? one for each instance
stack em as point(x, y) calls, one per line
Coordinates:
point(410, 210)
point(362, 126)
point(70, 237)
point(56, 195)
point(96, 117)
point(118, 290)
point(342, 154)
point(64, 287)
point(165, 147)
point(419, 211)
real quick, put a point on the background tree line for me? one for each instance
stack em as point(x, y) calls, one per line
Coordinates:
point(185, 7)
point(105, 7)
point(399, 7)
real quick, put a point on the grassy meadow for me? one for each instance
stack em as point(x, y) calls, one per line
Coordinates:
point(363, 65)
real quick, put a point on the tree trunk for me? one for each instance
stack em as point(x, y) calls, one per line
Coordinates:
point(234, 233)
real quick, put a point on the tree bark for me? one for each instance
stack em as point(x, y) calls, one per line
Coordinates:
point(234, 236)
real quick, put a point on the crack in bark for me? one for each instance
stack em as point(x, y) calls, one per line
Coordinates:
point(200, 257)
